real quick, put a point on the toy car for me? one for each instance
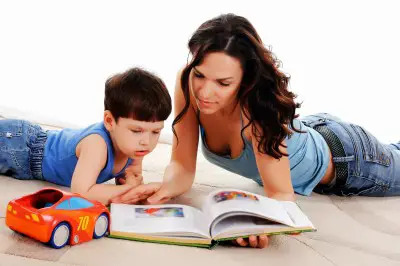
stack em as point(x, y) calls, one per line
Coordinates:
point(57, 217)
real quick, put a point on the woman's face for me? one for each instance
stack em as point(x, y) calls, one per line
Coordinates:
point(215, 82)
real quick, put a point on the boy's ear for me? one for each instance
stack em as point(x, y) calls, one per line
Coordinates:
point(109, 121)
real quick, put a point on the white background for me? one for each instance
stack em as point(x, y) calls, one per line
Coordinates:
point(343, 56)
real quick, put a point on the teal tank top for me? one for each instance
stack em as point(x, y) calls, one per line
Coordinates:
point(308, 156)
point(59, 159)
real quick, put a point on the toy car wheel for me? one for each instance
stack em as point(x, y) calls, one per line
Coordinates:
point(101, 226)
point(60, 235)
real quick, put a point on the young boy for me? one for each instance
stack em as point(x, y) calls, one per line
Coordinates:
point(136, 104)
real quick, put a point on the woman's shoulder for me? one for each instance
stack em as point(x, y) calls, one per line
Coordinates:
point(179, 96)
point(179, 76)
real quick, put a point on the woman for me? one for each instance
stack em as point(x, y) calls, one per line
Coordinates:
point(233, 91)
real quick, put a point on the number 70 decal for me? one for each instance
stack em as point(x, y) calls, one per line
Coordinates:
point(83, 222)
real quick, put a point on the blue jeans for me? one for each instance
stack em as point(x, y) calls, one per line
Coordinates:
point(373, 168)
point(21, 149)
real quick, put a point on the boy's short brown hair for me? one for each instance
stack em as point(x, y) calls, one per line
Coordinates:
point(137, 94)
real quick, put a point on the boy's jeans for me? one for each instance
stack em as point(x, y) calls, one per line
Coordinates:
point(373, 168)
point(21, 149)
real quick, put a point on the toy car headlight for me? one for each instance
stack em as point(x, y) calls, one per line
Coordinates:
point(35, 217)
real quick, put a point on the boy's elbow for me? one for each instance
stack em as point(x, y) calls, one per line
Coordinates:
point(80, 190)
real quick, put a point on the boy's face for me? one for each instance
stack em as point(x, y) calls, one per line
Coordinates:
point(134, 138)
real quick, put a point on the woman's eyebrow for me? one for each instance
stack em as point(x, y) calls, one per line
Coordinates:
point(220, 79)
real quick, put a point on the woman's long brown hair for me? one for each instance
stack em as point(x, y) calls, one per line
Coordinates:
point(263, 93)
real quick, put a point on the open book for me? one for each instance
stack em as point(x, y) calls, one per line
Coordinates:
point(225, 215)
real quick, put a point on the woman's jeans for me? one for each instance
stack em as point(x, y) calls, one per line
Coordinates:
point(21, 149)
point(370, 167)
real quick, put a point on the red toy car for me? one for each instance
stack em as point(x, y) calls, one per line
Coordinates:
point(57, 217)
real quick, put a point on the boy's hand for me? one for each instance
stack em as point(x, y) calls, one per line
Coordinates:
point(137, 194)
point(253, 241)
point(131, 178)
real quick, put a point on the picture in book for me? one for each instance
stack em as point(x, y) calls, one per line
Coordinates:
point(234, 195)
point(159, 212)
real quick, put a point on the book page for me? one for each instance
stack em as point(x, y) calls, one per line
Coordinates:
point(224, 202)
point(161, 220)
point(239, 225)
point(297, 216)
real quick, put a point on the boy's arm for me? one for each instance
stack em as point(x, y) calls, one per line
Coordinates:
point(92, 158)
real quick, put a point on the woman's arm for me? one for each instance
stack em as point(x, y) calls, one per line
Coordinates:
point(92, 157)
point(180, 173)
point(275, 173)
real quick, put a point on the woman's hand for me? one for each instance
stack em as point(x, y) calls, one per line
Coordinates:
point(155, 193)
point(137, 194)
point(167, 191)
point(253, 241)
